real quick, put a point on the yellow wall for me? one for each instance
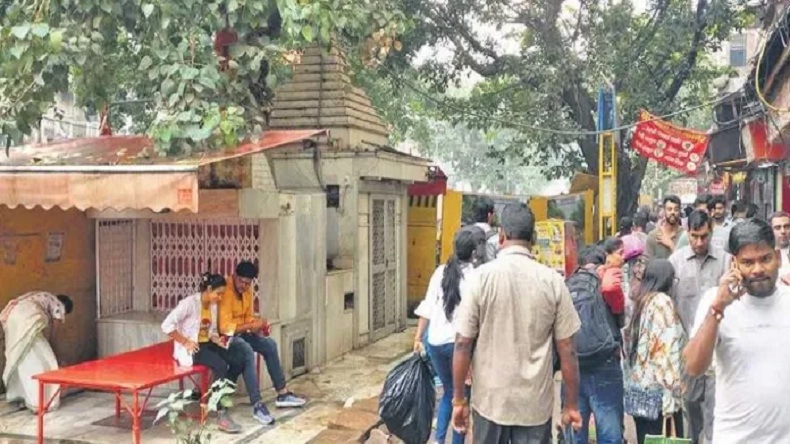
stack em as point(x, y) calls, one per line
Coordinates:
point(540, 207)
point(421, 247)
point(451, 221)
point(25, 233)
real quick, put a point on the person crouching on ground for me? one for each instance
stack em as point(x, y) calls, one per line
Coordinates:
point(237, 318)
point(441, 300)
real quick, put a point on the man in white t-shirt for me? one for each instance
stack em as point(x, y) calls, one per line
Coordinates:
point(780, 222)
point(745, 325)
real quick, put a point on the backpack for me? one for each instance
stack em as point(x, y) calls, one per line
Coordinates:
point(596, 340)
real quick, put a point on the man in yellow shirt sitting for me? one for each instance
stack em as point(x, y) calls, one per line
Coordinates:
point(236, 317)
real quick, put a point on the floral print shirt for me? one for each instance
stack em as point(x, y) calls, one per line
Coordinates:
point(658, 352)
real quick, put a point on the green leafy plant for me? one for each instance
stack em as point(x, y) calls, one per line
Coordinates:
point(194, 75)
point(538, 64)
point(186, 429)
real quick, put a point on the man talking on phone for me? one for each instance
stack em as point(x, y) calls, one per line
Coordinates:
point(744, 325)
point(698, 268)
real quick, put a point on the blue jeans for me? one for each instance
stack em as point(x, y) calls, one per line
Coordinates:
point(267, 348)
point(244, 352)
point(442, 360)
point(601, 394)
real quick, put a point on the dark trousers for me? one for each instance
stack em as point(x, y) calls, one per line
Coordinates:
point(656, 426)
point(223, 363)
point(487, 432)
point(700, 402)
point(267, 348)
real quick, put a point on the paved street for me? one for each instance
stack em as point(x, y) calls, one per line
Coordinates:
point(358, 375)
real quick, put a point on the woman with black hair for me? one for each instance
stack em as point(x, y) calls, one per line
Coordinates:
point(193, 327)
point(654, 366)
point(441, 300)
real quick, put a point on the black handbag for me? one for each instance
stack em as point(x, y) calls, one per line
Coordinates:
point(643, 402)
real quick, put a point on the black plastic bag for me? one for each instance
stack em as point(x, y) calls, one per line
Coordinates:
point(407, 401)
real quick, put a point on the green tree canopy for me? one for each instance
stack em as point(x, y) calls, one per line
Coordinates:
point(559, 52)
point(162, 53)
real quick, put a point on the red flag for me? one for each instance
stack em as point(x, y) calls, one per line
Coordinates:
point(678, 148)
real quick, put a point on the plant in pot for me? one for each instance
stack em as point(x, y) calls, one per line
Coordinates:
point(186, 429)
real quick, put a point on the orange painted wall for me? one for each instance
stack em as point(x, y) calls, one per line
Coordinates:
point(25, 233)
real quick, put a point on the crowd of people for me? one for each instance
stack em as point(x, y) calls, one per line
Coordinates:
point(680, 321)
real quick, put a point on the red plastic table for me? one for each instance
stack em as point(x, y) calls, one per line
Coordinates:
point(132, 372)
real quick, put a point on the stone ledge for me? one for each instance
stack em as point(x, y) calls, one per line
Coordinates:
point(354, 419)
point(338, 436)
point(370, 405)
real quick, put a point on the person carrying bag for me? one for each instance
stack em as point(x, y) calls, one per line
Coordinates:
point(654, 367)
point(670, 437)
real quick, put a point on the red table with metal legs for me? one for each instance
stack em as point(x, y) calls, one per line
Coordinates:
point(135, 373)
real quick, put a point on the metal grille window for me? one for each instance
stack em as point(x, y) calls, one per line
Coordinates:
point(738, 51)
point(181, 251)
point(115, 263)
point(299, 356)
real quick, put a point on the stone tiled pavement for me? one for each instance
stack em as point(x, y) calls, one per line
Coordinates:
point(342, 408)
point(356, 376)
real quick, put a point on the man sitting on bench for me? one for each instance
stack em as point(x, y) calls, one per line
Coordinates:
point(236, 315)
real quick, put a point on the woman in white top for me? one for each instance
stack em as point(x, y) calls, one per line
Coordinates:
point(193, 327)
point(441, 300)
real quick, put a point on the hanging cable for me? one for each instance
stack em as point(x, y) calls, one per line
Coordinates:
point(758, 89)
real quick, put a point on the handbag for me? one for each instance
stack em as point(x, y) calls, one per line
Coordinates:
point(664, 439)
point(643, 402)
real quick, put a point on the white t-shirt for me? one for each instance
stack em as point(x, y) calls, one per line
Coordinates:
point(212, 331)
point(752, 359)
point(440, 329)
point(784, 269)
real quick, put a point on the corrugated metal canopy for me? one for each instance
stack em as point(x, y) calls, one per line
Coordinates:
point(117, 172)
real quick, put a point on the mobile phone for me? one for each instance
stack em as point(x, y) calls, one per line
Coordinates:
point(736, 288)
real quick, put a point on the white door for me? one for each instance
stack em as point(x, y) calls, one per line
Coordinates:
point(383, 266)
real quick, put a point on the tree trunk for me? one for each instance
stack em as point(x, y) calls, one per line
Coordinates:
point(629, 179)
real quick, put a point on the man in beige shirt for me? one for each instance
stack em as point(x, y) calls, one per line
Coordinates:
point(513, 312)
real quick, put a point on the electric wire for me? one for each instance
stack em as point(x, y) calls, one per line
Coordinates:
point(761, 53)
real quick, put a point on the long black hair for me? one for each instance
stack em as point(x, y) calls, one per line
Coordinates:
point(658, 277)
point(466, 243)
point(211, 280)
point(626, 225)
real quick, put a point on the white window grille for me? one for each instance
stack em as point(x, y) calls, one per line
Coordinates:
point(115, 262)
point(182, 250)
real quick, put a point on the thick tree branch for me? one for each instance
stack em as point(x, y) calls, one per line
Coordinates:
point(581, 107)
point(691, 57)
point(463, 39)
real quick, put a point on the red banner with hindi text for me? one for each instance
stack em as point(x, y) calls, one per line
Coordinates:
point(678, 148)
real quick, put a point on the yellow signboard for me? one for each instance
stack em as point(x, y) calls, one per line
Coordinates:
point(549, 247)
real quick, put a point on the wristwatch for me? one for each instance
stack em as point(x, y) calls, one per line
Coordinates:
point(459, 402)
point(717, 314)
